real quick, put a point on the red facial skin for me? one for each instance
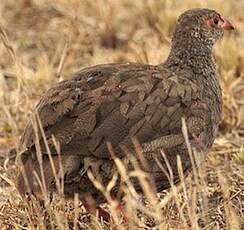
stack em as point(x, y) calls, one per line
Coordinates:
point(220, 22)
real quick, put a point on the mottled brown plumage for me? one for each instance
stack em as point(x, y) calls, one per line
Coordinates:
point(114, 102)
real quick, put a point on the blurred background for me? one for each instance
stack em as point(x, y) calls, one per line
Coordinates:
point(46, 41)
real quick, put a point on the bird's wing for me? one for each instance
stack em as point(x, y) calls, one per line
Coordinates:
point(57, 107)
point(115, 102)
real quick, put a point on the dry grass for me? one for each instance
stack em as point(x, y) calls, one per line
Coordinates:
point(45, 41)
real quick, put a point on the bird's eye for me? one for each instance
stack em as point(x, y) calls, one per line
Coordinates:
point(213, 22)
point(216, 21)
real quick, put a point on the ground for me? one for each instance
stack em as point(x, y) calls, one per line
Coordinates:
point(45, 41)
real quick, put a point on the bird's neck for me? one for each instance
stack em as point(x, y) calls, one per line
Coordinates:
point(193, 54)
point(198, 66)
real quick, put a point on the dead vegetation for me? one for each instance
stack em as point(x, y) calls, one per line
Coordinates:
point(43, 42)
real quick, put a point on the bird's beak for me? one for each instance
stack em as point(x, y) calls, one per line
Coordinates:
point(226, 25)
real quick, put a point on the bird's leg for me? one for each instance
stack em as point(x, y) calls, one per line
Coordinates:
point(119, 209)
point(93, 209)
point(97, 210)
point(102, 213)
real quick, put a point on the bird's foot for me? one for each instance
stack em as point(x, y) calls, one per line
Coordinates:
point(103, 214)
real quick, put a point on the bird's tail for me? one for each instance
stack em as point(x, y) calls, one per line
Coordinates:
point(34, 178)
point(38, 178)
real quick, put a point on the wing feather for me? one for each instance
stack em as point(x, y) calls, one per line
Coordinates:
point(114, 102)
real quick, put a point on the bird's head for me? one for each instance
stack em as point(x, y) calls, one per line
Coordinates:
point(200, 27)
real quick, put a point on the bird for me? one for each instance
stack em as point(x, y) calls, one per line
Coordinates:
point(117, 103)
